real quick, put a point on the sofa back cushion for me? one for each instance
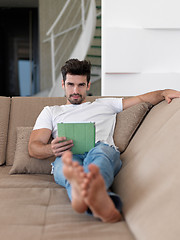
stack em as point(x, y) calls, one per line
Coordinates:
point(4, 121)
point(149, 181)
point(127, 123)
point(24, 111)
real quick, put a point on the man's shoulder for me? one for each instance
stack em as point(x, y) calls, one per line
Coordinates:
point(113, 103)
point(108, 100)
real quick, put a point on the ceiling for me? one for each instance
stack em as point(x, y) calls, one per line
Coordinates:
point(19, 3)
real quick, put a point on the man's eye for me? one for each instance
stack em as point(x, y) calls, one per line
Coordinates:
point(70, 84)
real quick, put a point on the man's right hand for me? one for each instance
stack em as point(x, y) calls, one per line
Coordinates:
point(59, 145)
point(39, 146)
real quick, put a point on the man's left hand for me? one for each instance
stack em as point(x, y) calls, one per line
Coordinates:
point(170, 94)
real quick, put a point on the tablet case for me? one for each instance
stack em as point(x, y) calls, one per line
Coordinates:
point(82, 134)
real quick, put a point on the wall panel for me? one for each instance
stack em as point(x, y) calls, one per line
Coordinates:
point(140, 46)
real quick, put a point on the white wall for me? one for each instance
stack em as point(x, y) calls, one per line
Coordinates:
point(140, 46)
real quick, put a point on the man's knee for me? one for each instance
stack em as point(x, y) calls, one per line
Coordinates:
point(105, 151)
point(106, 155)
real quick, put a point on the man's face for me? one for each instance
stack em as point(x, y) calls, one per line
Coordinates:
point(75, 88)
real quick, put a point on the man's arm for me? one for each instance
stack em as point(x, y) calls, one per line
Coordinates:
point(152, 97)
point(40, 148)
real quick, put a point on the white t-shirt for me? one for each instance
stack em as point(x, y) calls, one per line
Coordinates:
point(102, 111)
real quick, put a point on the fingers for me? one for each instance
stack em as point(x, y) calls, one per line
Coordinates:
point(169, 95)
point(59, 139)
point(168, 99)
point(59, 145)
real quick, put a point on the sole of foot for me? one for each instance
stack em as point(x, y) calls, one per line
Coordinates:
point(97, 198)
point(75, 175)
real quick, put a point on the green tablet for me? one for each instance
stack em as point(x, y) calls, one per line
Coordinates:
point(82, 134)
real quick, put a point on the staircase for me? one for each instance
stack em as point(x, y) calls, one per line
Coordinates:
point(94, 55)
point(72, 38)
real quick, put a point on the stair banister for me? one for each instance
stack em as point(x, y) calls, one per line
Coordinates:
point(58, 17)
point(82, 14)
point(53, 59)
point(81, 47)
point(51, 31)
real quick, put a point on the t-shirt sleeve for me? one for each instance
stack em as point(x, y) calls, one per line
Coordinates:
point(44, 119)
point(115, 104)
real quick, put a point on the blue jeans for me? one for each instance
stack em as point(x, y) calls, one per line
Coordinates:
point(107, 158)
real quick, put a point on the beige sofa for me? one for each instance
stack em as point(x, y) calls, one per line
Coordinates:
point(33, 206)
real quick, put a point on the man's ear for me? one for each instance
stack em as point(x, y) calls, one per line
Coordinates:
point(88, 86)
point(62, 83)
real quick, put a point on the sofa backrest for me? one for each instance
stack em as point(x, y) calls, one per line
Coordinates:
point(24, 112)
point(4, 121)
point(150, 175)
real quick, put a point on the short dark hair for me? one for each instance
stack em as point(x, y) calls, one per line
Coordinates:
point(76, 67)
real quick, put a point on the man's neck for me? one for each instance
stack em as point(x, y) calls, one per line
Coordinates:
point(69, 103)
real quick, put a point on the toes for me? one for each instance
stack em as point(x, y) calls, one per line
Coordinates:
point(84, 193)
point(82, 174)
point(75, 164)
point(93, 169)
point(85, 183)
point(67, 157)
point(89, 176)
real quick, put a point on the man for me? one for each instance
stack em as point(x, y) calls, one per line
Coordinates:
point(86, 177)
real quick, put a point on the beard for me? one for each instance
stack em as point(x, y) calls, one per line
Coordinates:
point(76, 101)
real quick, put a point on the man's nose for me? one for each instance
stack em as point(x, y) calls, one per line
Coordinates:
point(75, 89)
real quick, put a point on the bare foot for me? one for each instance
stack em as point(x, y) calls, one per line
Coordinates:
point(74, 173)
point(96, 197)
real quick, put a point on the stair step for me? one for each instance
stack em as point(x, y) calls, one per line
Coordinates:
point(95, 75)
point(94, 61)
point(96, 65)
point(94, 51)
point(97, 37)
point(96, 42)
point(95, 46)
point(98, 21)
point(94, 56)
point(95, 70)
point(98, 2)
point(97, 31)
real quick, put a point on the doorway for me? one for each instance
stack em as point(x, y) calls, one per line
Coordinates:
point(19, 51)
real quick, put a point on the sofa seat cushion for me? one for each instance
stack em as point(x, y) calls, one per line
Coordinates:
point(44, 213)
point(34, 207)
point(25, 180)
point(149, 182)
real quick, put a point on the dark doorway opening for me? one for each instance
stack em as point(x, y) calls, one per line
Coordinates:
point(19, 52)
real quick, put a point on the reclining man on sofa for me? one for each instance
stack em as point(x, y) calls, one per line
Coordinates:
point(86, 177)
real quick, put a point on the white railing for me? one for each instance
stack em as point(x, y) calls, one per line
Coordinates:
point(87, 25)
